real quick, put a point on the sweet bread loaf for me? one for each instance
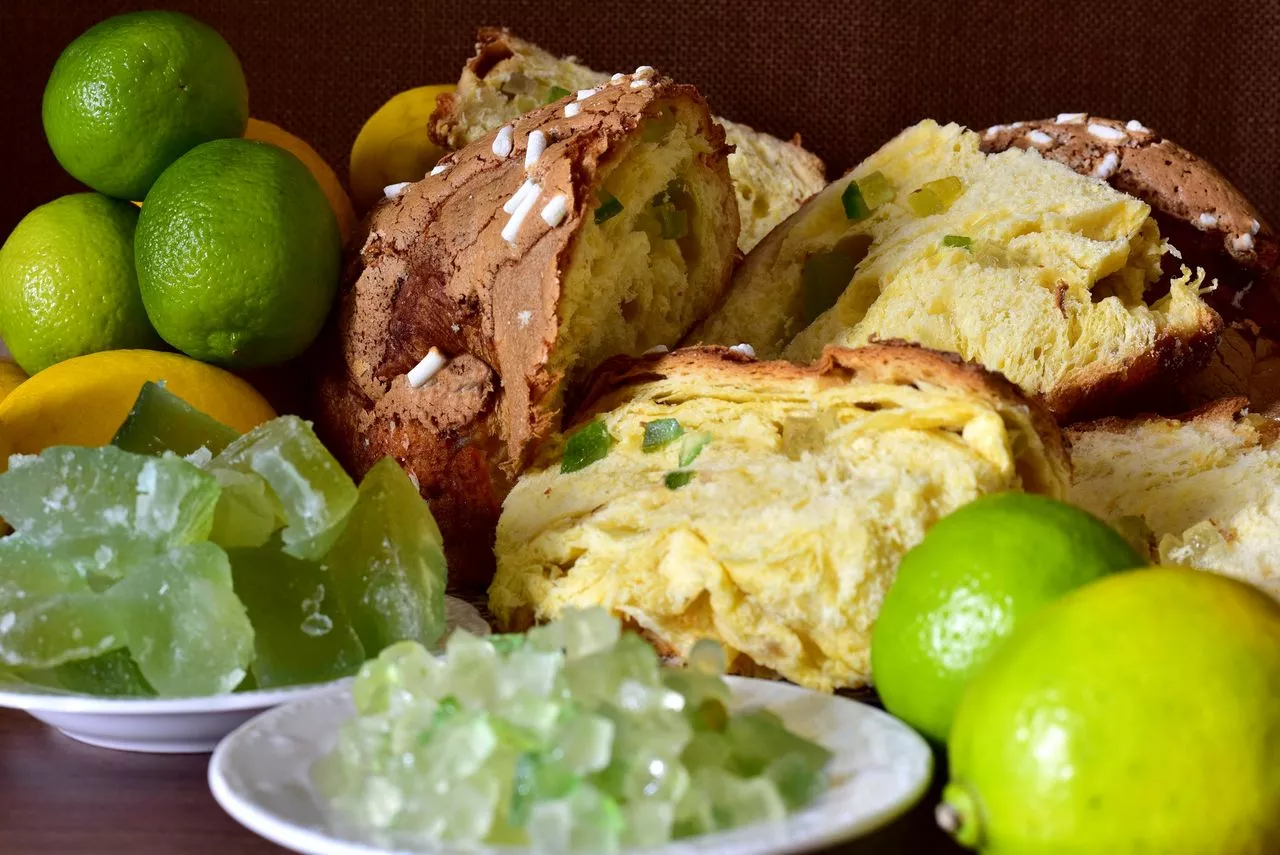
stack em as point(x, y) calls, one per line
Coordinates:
point(1202, 490)
point(508, 76)
point(483, 293)
point(763, 504)
point(1010, 260)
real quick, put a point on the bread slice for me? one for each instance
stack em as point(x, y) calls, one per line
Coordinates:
point(1246, 364)
point(1202, 490)
point(509, 76)
point(812, 483)
point(1048, 284)
point(483, 293)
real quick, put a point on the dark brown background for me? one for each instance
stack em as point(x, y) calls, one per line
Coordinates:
point(845, 75)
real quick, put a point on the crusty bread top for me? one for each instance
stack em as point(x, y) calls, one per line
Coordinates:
point(436, 271)
point(888, 362)
point(1202, 213)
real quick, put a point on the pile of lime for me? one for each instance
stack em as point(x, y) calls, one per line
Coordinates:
point(235, 255)
point(571, 738)
point(187, 559)
point(1085, 705)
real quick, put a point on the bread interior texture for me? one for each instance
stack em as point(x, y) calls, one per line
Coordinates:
point(1204, 493)
point(790, 530)
point(1033, 271)
point(650, 262)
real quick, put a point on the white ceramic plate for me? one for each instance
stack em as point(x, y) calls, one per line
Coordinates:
point(260, 775)
point(176, 725)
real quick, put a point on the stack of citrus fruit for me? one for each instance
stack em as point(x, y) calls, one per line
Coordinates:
point(1085, 706)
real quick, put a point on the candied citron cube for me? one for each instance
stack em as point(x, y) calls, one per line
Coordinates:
point(102, 508)
point(314, 494)
point(183, 622)
point(301, 633)
point(247, 512)
point(160, 421)
point(388, 565)
point(114, 674)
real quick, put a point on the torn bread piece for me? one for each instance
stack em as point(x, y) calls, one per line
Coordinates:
point(1202, 490)
point(483, 294)
point(509, 76)
point(702, 494)
point(1010, 260)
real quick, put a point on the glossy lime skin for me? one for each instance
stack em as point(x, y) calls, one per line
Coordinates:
point(134, 93)
point(67, 282)
point(977, 574)
point(238, 254)
point(1140, 713)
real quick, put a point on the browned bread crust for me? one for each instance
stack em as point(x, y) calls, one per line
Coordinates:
point(1199, 211)
point(435, 271)
point(889, 362)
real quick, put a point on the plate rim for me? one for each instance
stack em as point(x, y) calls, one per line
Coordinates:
point(295, 837)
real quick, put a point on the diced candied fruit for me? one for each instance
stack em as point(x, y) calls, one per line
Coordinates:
point(247, 513)
point(160, 421)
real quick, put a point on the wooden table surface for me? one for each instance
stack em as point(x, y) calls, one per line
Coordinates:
point(58, 796)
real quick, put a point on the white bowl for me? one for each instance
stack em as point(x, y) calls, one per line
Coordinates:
point(880, 768)
point(176, 725)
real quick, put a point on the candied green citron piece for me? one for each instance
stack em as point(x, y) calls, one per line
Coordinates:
point(183, 623)
point(587, 445)
point(855, 205)
point(313, 492)
point(739, 801)
point(49, 614)
point(102, 509)
point(876, 189)
point(160, 421)
point(610, 206)
point(247, 512)
point(388, 566)
point(660, 433)
point(758, 738)
point(301, 634)
point(692, 445)
point(113, 674)
point(676, 480)
point(935, 197)
point(958, 241)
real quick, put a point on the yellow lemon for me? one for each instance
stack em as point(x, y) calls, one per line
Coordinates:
point(394, 145)
point(11, 377)
point(323, 172)
point(82, 401)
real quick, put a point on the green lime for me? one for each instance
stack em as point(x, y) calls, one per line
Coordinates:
point(977, 574)
point(238, 254)
point(132, 94)
point(1140, 713)
point(67, 284)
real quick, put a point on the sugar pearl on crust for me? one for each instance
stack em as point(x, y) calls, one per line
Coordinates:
point(524, 317)
point(617, 78)
point(1106, 132)
point(517, 198)
point(642, 70)
point(512, 228)
point(391, 191)
point(639, 84)
point(655, 350)
point(1206, 220)
point(554, 211)
point(534, 148)
point(1107, 166)
point(1039, 138)
point(1242, 243)
point(1137, 127)
point(572, 109)
point(1070, 118)
point(502, 143)
point(1254, 227)
point(426, 369)
point(438, 168)
point(745, 349)
point(996, 129)
point(584, 94)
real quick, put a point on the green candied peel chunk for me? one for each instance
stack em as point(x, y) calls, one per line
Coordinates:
point(247, 513)
point(855, 206)
point(676, 480)
point(935, 197)
point(660, 433)
point(311, 489)
point(585, 446)
point(609, 206)
point(301, 632)
point(388, 566)
point(555, 93)
point(876, 189)
point(958, 241)
point(100, 509)
point(113, 674)
point(692, 445)
point(182, 622)
point(160, 421)
point(577, 740)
